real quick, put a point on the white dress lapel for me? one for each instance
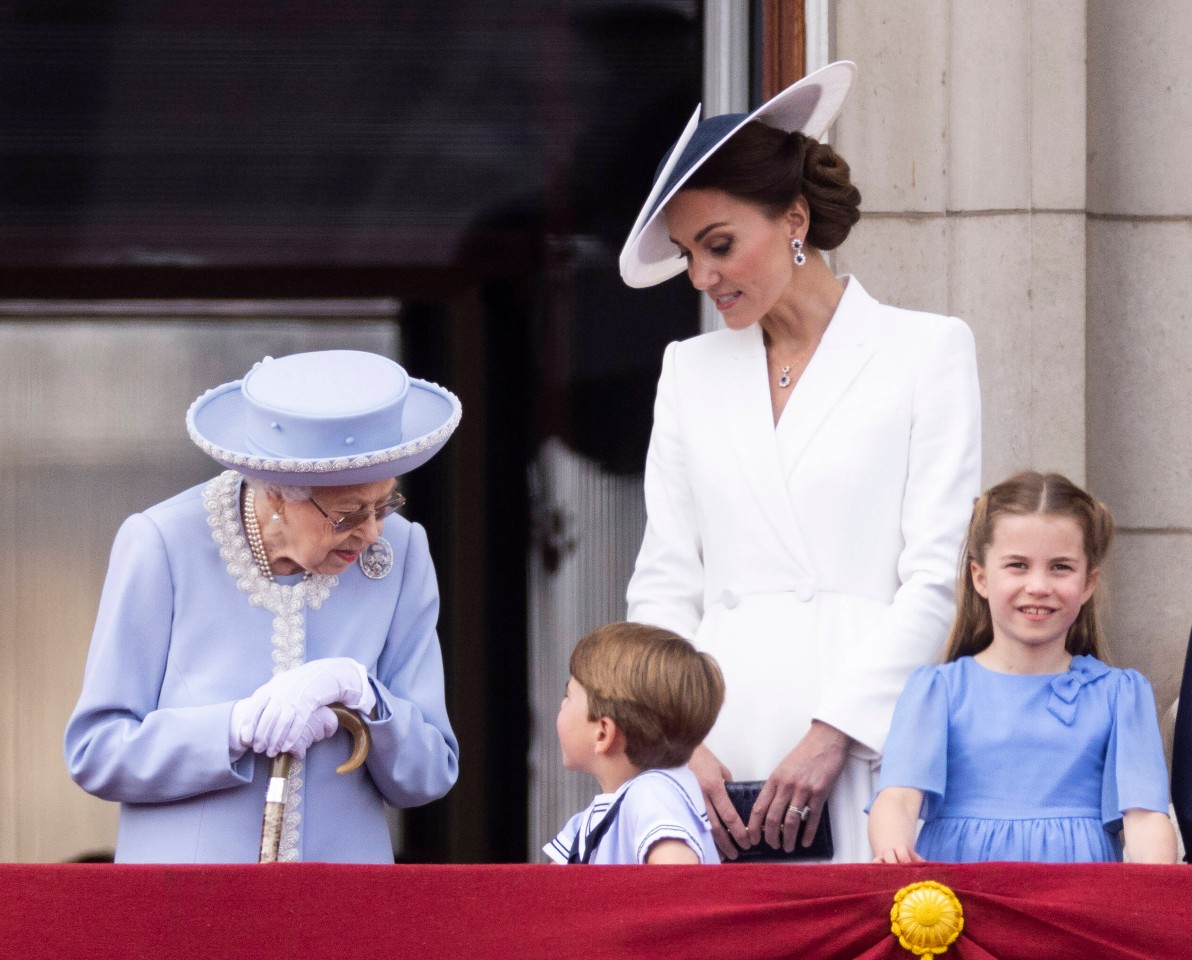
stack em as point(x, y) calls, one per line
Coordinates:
point(840, 357)
point(749, 420)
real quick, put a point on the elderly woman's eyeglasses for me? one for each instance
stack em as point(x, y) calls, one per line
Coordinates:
point(350, 521)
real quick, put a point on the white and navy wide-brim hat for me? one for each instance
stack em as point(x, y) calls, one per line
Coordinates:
point(808, 106)
point(325, 419)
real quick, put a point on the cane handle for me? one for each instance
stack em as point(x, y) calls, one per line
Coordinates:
point(279, 772)
point(361, 738)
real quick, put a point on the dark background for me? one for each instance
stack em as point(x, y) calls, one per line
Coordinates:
point(479, 161)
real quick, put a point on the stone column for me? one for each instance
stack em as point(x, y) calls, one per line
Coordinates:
point(973, 134)
point(1140, 339)
point(966, 134)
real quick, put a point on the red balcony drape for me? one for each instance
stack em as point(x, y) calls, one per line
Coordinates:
point(295, 911)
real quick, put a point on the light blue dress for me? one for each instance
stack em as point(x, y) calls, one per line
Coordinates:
point(1032, 768)
point(182, 633)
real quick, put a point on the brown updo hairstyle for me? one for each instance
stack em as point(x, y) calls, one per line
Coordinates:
point(772, 169)
point(1025, 494)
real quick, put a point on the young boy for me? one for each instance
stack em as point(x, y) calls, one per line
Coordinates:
point(639, 700)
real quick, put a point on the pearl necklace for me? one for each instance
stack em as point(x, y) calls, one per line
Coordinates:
point(230, 529)
point(252, 531)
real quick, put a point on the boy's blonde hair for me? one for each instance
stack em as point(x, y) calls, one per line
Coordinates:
point(660, 691)
point(1025, 494)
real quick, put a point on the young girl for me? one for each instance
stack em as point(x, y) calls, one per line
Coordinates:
point(1024, 745)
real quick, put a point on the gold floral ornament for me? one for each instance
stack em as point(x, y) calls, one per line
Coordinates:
point(926, 918)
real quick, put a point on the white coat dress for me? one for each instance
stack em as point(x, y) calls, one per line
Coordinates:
point(816, 558)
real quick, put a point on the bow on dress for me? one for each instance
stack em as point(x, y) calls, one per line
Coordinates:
point(1065, 688)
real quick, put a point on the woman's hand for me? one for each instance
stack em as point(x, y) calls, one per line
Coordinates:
point(279, 716)
point(803, 778)
point(726, 825)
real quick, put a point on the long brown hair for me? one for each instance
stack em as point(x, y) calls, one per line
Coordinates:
point(1024, 494)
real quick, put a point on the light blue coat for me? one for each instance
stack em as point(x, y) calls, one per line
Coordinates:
point(176, 643)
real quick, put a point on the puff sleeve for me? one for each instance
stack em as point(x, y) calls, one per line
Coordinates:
point(917, 747)
point(1135, 770)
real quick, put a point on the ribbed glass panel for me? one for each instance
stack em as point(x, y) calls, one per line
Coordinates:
point(591, 525)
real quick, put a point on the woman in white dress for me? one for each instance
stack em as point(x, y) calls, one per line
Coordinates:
point(810, 474)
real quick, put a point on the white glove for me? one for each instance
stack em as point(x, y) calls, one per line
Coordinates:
point(279, 716)
point(244, 714)
point(320, 725)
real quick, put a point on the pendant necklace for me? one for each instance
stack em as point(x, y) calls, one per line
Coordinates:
point(784, 369)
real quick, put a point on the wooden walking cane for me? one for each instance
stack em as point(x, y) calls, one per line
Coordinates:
point(279, 772)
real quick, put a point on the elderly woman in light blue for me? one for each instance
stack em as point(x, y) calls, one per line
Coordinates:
point(236, 612)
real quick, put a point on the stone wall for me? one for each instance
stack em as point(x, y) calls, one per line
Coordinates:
point(1025, 166)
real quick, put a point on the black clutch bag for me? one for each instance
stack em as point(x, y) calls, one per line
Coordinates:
point(743, 794)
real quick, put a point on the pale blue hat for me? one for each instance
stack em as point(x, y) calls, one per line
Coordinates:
point(331, 418)
point(809, 106)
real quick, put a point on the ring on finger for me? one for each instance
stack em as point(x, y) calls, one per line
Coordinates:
point(802, 811)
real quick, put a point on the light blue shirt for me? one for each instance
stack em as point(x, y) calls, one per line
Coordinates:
point(658, 805)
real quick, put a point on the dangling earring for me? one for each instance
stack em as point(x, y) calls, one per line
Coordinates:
point(800, 257)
